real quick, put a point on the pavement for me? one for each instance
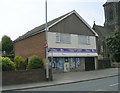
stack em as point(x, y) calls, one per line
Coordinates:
point(66, 78)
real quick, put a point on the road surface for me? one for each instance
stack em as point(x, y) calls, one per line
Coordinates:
point(104, 84)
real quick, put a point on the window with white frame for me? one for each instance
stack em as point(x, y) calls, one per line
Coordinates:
point(63, 38)
point(82, 39)
point(57, 37)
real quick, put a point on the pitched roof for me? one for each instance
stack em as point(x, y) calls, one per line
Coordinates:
point(38, 29)
point(50, 24)
point(102, 31)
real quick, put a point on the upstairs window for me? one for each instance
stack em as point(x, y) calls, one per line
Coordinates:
point(57, 37)
point(85, 40)
point(63, 38)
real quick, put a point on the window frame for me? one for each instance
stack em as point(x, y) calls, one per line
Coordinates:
point(85, 38)
point(57, 37)
point(63, 38)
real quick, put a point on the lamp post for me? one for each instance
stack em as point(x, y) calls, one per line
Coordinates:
point(46, 30)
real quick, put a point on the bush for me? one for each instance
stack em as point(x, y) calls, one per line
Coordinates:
point(35, 63)
point(11, 56)
point(20, 63)
point(7, 64)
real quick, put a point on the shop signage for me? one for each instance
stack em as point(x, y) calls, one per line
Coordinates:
point(68, 50)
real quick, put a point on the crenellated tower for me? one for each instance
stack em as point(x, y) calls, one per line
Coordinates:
point(112, 14)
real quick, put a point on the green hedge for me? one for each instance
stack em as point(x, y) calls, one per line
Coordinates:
point(20, 63)
point(7, 64)
point(35, 62)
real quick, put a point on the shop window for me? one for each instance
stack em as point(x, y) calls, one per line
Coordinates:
point(74, 63)
point(66, 59)
point(58, 63)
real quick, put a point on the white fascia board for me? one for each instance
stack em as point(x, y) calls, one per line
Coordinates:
point(72, 54)
point(60, 19)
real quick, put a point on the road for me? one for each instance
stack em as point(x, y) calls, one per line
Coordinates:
point(104, 84)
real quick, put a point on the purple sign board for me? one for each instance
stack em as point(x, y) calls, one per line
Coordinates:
point(70, 50)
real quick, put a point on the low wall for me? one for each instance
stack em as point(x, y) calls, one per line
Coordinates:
point(116, 65)
point(104, 64)
point(23, 77)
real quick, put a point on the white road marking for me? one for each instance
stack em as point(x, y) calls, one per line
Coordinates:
point(114, 84)
point(109, 85)
point(100, 90)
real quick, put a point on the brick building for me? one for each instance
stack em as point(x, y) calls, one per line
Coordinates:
point(71, 41)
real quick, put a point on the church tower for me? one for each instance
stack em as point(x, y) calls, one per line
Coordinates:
point(112, 15)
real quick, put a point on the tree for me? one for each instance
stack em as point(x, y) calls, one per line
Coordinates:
point(113, 43)
point(7, 44)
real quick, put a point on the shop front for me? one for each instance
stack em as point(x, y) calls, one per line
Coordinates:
point(66, 60)
point(66, 64)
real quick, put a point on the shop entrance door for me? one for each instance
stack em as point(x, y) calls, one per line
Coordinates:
point(89, 63)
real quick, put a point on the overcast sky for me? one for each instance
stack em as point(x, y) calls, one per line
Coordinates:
point(19, 16)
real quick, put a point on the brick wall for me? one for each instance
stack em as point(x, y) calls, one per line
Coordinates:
point(31, 46)
point(25, 76)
